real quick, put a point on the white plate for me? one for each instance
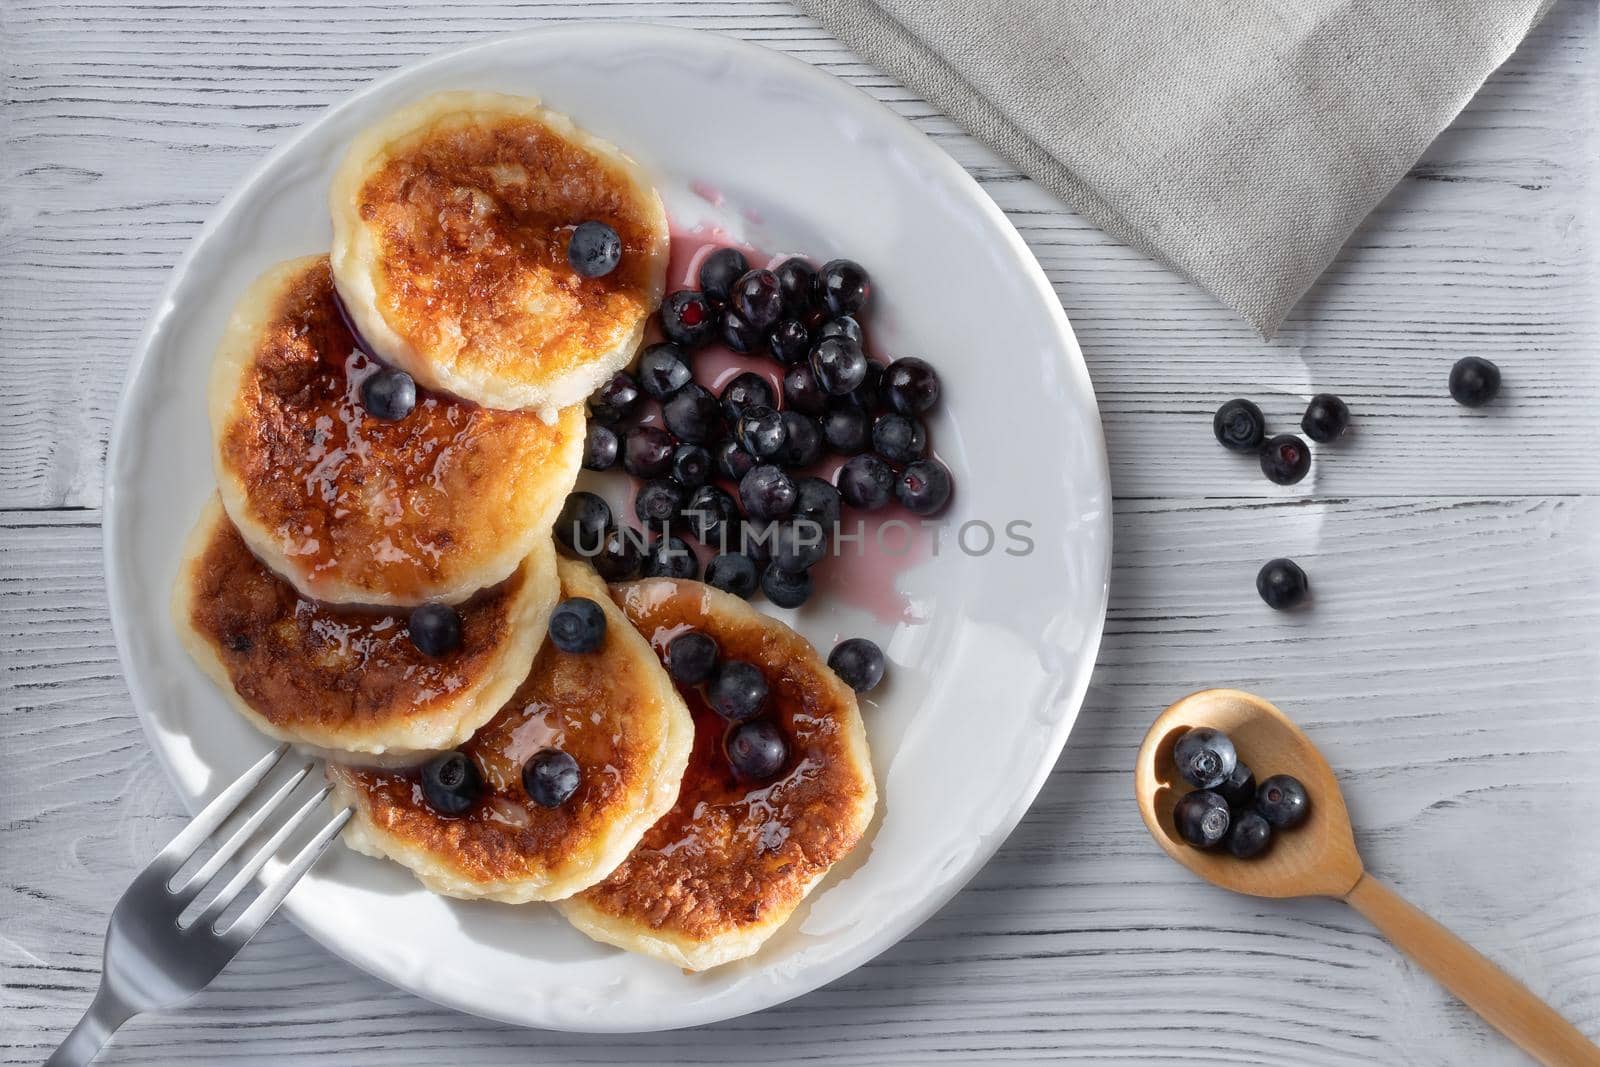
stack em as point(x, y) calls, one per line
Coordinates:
point(983, 693)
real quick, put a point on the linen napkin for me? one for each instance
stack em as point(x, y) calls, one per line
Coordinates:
point(1239, 141)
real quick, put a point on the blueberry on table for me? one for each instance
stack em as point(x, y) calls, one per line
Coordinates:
point(738, 691)
point(617, 399)
point(692, 466)
point(786, 589)
point(435, 629)
point(845, 286)
point(1474, 381)
point(843, 326)
point(670, 557)
point(594, 249)
point(578, 625)
point(1285, 459)
point(757, 299)
point(1250, 836)
point(621, 555)
point(757, 750)
point(858, 662)
point(1282, 801)
point(647, 452)
point(797, 281)
point(389, 395)
point(760, 429)
point(581, 526)
point(1201, 818)
point(898, 438)
point(719, 271)
point(1239, 425)
point(733, 462)
point(600, 447)
point(1326, 418)
point(550, 777)
point(663, 370)
point(693, 414)
point(691, 657)
point(789, 341)
point(1282, 584)
point(766, 493)
point(711, 514)
point(451, 784)
point(1205, 757)
point(910, 386)
point(733, 572)
point(847, 429)
point(688, 319)
point(659, 503)
point(866, 482)
point(744, 391)
point(839, 365)
point(818, 501)
point(802, 440)
point(1239, 788)
point(738, 334)
point(924, 487)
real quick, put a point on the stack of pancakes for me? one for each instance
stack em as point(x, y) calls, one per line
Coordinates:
point(330, 526)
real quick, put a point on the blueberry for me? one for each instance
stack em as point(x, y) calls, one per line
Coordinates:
point(692, 466)
point(1250, 835)
point(1326, 418)
point(802, 444)
point(756, 750)
point(389, 395)
point(451, 783)
point(1282, 801)
point(693, 414)
point(899, 438)
point(1474, 381)
point(839, 365)
point(550, 777)
point(578, 625)
point(659, 503)
point(761, 431)
point(435, 629)
point(1239, 426)
point(647, 452)
point(797, 281)
point(688, 319)
point(733, 462)
point(845, 286)
point(801, 392)
point(621, 556)
point(847, 429)
point(594, 249)
point(743, 391)
point(757, 298)
point(719, 271)
point(712, 515)
point(789, 341)
point(766, 493)
point(738, 691)
point(867, 395)
point(818, 501)
point(1205, 757)
point(1282, 584)
point(600, 447)
point(1239, 788)
point(923, 487)
point(670, 557)
point(738, 334)
point(844, 326)
point(581, 526)
point(733, 572)
point(757, 541)
point(691, 657)
point(1201, 818)
point(910, 386)
point(615, 400)
point(866, 482)
point(786, 589)
point(1285, 459)
point(858, 662)
point(663, 370)
point(801, 545)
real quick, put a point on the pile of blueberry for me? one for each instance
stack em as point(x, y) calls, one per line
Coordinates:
point(1226, 804)
point(737, 691)
point(451, 782)
point(1285, 458)
point(730, 470)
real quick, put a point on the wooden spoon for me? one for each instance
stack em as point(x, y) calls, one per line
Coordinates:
point(1319, 858)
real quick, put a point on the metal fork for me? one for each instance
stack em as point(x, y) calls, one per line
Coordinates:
point(151, 961)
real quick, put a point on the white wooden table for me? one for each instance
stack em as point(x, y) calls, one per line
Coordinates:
point(1449, 668)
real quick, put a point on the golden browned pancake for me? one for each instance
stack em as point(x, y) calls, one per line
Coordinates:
point(613, 710)
point(353, 509)
point(728, 865)
point(450, 226)
point(349, 679)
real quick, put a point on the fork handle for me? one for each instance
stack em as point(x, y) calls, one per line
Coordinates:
point(1502, 1001)
point(105, 1015)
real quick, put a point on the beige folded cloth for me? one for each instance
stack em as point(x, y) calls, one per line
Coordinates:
point(1240, 141)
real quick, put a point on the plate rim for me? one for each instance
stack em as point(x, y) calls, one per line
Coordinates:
point(1070, 697)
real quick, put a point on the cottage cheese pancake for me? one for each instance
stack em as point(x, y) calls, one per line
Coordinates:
point(613, 710)
point(350, 679)
point(451, 220)
point(727, 866)
point(352, 508)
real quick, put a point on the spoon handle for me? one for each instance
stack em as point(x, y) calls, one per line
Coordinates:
point(1504, 1002)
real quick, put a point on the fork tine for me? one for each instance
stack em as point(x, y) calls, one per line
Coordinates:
point(202, 877)
point(235, 886)
point(260, 910)
point(203, 825)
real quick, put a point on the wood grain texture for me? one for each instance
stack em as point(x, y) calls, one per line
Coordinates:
point(1448, 668)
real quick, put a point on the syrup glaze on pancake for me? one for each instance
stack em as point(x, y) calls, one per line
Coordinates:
point(451, 223)
point(355, 509)
point(721, 871)
point(614, 710)
point(350, 678)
